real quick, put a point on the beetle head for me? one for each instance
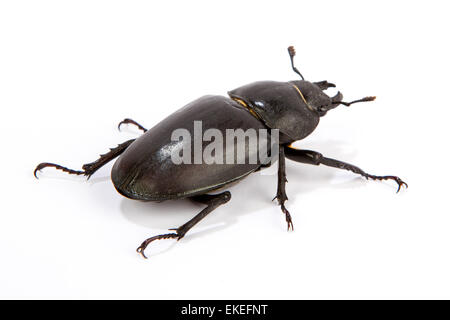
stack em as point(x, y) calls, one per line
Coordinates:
point(313, 96)
point(293, 107)
point(317, 100)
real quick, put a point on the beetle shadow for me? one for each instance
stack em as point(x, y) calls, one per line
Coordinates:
point(252, 194)
point(174, 213)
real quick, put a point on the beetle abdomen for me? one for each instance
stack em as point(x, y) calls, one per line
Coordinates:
point(146, 170)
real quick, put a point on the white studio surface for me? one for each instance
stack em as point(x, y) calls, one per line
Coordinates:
point(70, 71)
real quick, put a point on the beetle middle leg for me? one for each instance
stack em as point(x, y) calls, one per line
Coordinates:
point(281, 189)
point(89, 168)
point(212, 202)
point(316, 158)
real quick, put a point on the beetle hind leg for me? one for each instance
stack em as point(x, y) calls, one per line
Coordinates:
point(212, 202)
point(89, 168)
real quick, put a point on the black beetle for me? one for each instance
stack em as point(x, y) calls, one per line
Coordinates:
point(144, 170)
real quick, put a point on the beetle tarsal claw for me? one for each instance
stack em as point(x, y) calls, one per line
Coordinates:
point(144, 244)
point(56, 166)
point(290, 225)
point(140, 250)
point(399, 181)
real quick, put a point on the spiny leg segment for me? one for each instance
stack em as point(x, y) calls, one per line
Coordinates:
point(281, 189)
point(89, 168)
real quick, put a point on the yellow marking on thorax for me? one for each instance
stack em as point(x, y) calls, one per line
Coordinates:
point(303, 98)
point(242, 102)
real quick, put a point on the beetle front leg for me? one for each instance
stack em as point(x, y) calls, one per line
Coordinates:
point(316, 158)
point(212, 202)
point(281, 189)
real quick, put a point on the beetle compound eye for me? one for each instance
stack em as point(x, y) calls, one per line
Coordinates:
point(322, 110)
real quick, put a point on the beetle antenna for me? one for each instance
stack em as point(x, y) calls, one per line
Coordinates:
point(291, 51)
point(365, 99)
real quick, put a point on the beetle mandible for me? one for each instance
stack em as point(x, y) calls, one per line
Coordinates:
point(143, 170)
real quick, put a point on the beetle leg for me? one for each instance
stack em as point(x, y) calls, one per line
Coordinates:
point(316, 158)
point(281, 189)
point(130, 121)
point(89, 168)
point(212, 202)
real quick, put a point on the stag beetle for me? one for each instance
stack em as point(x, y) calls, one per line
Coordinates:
point(145, 171)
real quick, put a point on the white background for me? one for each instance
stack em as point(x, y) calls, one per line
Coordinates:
point(70, 71)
